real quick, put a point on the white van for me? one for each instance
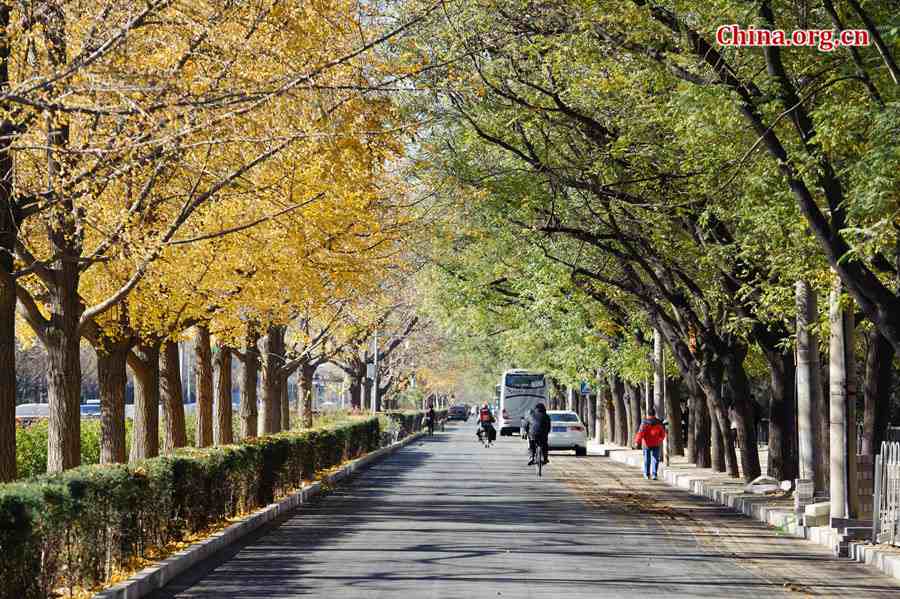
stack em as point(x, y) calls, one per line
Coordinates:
point(520, 391)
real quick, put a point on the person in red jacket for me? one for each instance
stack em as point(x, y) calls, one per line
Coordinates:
point(650, 437)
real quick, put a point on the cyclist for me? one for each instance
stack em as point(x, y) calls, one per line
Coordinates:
point(538, 432)
point(429, 419)
point(486, 424)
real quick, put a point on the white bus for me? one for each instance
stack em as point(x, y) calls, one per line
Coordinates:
point(520, 390)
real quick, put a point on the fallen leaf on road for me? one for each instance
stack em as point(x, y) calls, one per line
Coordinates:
point(795, 587)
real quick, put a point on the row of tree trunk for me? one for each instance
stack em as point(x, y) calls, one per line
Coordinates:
point(155, 366)
point(811, 436)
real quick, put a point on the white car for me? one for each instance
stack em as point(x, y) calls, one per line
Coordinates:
point(567, 432)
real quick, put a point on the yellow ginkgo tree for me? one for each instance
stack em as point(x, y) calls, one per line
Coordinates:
point(135, 133)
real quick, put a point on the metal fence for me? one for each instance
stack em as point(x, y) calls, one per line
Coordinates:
point(762, 432)
point(886, 514)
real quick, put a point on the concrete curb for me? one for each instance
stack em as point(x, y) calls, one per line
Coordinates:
point(733, 496)
point(158, 575)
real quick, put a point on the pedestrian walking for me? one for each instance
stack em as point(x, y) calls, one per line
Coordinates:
point(650, 437)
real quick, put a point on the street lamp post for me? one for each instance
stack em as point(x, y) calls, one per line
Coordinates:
point(375, 371)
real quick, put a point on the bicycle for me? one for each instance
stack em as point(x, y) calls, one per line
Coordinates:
point(484, 436)
point(539, 459)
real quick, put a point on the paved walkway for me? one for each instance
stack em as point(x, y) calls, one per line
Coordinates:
point(447, 518)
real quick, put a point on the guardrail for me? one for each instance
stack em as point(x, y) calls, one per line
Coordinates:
point(893, 434)
point(886, 512)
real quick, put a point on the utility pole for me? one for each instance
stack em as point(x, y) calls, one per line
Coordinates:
point(659, 376)
point(375, 371)
point(842, 390)
point(659, 390)
point(808, 385)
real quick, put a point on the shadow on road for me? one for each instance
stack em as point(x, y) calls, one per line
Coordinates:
point(446, 517)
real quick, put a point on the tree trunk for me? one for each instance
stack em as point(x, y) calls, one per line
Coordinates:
point(722, 446)
point(879, 379)
point(717, 442)
point(380, 392)
point(783, 457)
point(621, 429)
point(145, 430)
point(7, 374)
point(63, 345)
point(366, 395)
point(708, 443)
point(822, 451)
point(222, 431)
point(743, 415)
point(675, 438)
point(9, 228)
point(690, 449)
point(355, 394)
point(609, 422)
point(591, 416)
point(809, 387)
point(112, 378)
point(305, 384)
point(171, 398)
point(702, 427)
point(285, 402)
point(249, 379)
point(609, 416)
point(633, 397)
point(273, 361)
point(204, 378)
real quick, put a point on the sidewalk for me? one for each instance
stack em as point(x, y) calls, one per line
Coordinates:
point(774, 510)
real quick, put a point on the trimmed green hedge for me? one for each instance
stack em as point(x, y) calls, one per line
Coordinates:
point(31, 446)
point(31, 442)
point(77, 527)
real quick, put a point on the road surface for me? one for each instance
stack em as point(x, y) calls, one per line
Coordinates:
point(445, 517)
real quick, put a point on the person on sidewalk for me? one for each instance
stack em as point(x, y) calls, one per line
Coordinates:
point(650, 437)
point(430, 419)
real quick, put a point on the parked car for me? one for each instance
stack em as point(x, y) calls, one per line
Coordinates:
point(458, 413)
point(567, 432)
point(33, 410)
point(90, 410)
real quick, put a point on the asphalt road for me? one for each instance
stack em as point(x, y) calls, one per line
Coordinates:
point(445, 517)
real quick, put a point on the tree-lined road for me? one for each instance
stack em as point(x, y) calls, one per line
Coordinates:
point(445, 517)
